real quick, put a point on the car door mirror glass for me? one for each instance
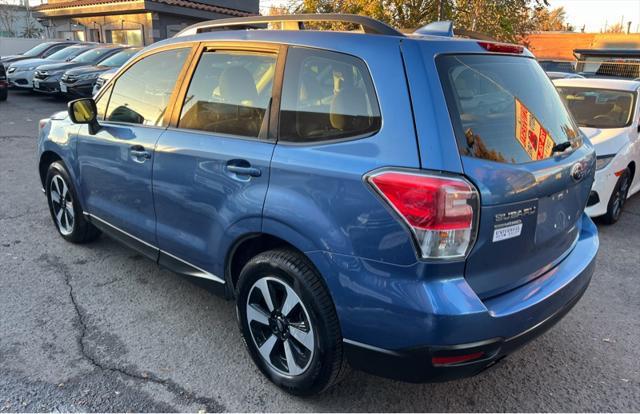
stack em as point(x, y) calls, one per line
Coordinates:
point(83, 111)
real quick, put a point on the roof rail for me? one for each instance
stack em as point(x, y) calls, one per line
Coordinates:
point(290, 22)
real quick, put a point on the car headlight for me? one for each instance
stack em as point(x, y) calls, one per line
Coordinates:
point(603, 160)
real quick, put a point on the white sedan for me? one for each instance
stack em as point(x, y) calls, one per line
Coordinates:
point(607, 112)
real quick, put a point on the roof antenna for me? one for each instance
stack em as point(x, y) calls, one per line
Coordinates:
point(441, 28)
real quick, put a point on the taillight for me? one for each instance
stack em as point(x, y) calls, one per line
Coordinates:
point(501, 47)
point(441, 211)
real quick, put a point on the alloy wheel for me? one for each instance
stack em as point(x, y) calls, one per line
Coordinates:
point(620, 196)
point(280, 326)
point(62, 204)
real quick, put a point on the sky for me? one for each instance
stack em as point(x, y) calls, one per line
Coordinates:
point(593, 14)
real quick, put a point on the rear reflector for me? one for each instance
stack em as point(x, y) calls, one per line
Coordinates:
point(456, 359)
point(441, 211)
point(501, 47)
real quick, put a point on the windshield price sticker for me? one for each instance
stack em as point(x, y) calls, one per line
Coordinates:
point(535, 140)
point(507, 231)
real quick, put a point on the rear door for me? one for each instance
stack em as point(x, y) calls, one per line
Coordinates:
point(521, 148)
point(211, 168)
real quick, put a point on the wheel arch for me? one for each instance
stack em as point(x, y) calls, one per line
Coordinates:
point(47, 158)
point(632, 169)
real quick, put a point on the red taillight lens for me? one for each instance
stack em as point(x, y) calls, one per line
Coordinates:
point(441, 211)
point(456, 359)
point(501, 47)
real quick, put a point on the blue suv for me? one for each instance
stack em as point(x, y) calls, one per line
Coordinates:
point(407, 205)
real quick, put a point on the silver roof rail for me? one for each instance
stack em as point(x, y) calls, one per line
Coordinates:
point(290, 22)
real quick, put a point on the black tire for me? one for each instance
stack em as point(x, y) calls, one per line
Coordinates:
point(618, 198)
point(325, 366)
point(72, 225)
point(4, 92)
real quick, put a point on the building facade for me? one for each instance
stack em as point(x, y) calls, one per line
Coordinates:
point(133, 22)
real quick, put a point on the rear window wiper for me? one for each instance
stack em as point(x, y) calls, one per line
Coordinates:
point(561, 147)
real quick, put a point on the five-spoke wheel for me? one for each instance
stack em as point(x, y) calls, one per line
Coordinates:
point(280, 326)
point(289, 322)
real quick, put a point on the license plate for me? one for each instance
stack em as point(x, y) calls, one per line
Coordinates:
point(36, 84)
point(507, 231)
point(63, 87)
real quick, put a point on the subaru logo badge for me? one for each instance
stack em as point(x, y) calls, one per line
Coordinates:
point(578, 171)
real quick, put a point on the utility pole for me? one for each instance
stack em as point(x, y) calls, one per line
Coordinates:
point(628, 27)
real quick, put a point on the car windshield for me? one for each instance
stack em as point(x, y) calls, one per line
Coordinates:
point(599, 108)
point(118, 59)
point(65, 53)
point(504, 108)
point(93, 55)
point(36, 50)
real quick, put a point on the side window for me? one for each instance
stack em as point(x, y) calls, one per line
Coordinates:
point(142, 93)
point(326, 96)
point(229, 93)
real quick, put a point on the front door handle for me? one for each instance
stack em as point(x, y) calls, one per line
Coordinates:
point(250, 171)
point(139, 154)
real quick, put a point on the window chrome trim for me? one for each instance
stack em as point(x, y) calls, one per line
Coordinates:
point(201, 273)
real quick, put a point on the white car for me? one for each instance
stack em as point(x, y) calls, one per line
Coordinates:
point(607, 112)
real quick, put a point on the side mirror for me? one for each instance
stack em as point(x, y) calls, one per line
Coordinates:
point(83, 111)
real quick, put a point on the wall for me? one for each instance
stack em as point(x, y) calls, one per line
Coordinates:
point(560, 45)
point(12, 45)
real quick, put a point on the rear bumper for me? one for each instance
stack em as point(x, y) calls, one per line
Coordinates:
point(436, 318)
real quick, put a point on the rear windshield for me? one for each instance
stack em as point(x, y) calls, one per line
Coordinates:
point(504, 108)
point(599, 108)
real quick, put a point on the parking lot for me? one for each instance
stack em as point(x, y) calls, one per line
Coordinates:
point(99, 328)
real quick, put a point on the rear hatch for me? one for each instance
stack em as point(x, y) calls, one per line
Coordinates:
point(524, 153)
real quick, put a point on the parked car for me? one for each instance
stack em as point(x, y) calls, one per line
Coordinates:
point(4, 85)
point(564, 75)
point(80, 81)
point(21, 73)
point(607, 112)
point(363, 197)
point(46, 78)
point(103, 78)
point(41, 50)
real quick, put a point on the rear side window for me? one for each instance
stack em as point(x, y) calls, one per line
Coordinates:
point(504, 108)
point(230, 93)
point(142, 93)
point(326, 96)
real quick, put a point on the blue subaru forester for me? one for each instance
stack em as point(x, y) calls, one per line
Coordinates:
point(408, 205)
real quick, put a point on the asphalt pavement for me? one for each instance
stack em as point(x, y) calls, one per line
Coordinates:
point(100, 328)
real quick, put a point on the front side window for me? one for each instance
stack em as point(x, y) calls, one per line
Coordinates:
point(141, 94)
point(326, 96)
point(504, 108)
point(230, 93)
point(599, 108)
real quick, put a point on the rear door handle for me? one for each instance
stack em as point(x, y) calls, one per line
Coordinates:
point(139, 154)
point(251, 171)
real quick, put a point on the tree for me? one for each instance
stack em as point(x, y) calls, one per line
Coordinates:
point(551, 20)
point(615, 28)
point(507, 20)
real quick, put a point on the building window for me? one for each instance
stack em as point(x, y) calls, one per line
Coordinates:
point(73, 35)
point(132, 37)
